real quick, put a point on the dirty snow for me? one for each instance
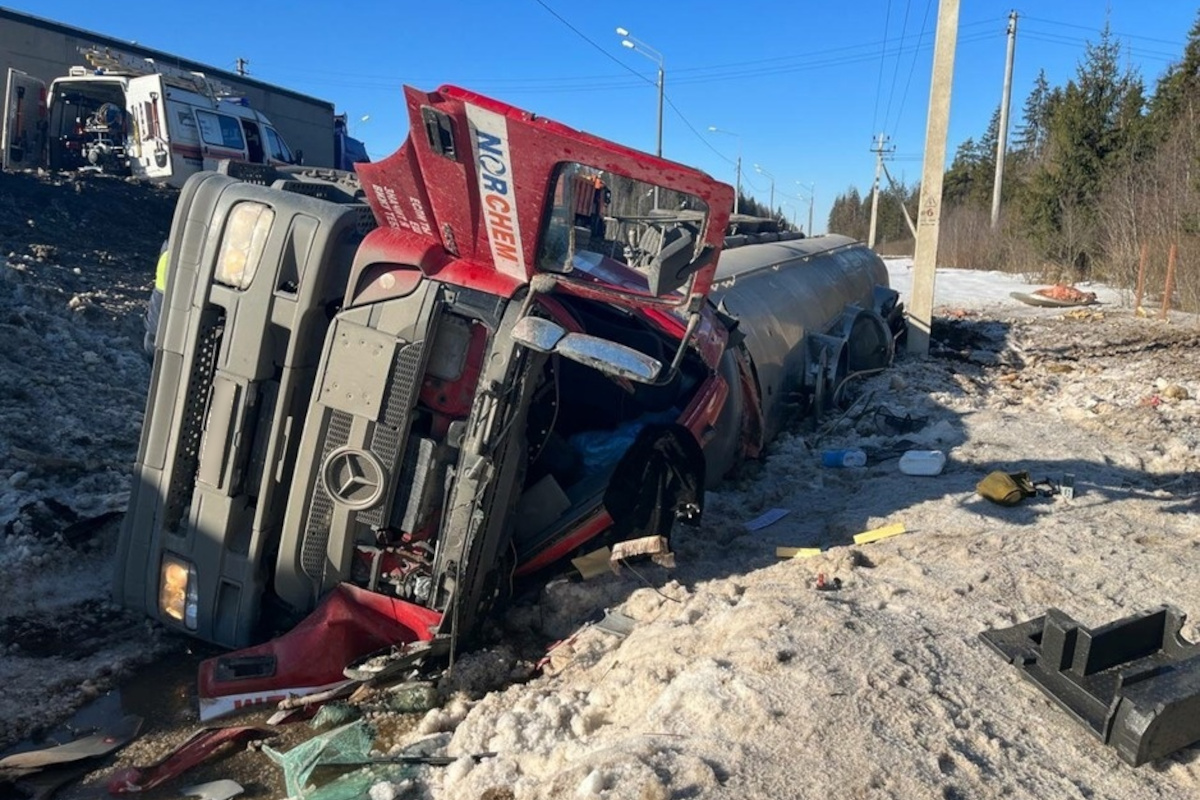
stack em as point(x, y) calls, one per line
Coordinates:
point(76, 263)
point(739, 679)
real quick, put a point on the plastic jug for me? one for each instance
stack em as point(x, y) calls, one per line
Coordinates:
point(850, 457)
point(922, 462)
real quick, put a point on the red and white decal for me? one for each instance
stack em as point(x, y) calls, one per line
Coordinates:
point(213, 707)
point(497, 189)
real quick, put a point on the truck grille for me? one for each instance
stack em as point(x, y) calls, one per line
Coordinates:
point(191, 428)
point(320, 512)
point(392, 430)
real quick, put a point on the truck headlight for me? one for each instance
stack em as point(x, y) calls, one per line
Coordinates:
point(178, 593)
point(242, 244)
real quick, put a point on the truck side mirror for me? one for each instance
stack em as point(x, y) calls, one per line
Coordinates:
point(299, 154)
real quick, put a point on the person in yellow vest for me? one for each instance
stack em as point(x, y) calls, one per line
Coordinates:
point(154, 309)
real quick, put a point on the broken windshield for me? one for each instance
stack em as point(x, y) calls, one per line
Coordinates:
point(627, 234)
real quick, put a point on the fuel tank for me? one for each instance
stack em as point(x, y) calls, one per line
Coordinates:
point(812, 311)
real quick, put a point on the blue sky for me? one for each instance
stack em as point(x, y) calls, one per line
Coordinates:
point(805, 85)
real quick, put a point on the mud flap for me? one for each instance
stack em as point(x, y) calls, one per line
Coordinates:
point(348, 624)
point(1134, 683)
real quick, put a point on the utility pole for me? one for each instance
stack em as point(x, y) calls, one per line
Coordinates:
point(633, 43)
point(812, 198)
point(737, 194)
point(920, 310)
point(878, 150)
point(241, 67)
point(1006, 96)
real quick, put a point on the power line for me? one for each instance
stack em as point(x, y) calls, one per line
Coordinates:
point(912, 68)
point(896, 70)
point(1075, 42)
point(1092, 29)
point(692, 128)
point(887, 21)
point(669, 101)
point(581, 35)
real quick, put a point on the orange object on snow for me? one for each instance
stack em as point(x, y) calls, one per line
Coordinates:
point(1066, 294)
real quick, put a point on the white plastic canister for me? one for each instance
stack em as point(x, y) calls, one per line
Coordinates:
point(922, 462)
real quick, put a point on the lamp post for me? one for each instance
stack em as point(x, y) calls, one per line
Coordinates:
point(637, 45)
point(812, 198)
point(765, 174)
point(737, 197)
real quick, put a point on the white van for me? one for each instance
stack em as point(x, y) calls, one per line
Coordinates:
point(132, 116)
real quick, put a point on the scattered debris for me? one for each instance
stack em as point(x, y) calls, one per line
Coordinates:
point(894, 423)
point(593, 564)
point(1057, 296)
point(797, 552)
point(875, 534)
point(824, 585)
point(616, 623)
point(1083, 314)
point(214, 790)
point(1134, 682)
point(405, 698)
point(334, 714)
point(849, 457)
point(312, 657)
point(349, 744)
point(98, 744)
point(1068, 486)
point(656, 547)
point(923, 462)
point(767, 518)
point(1176, 392)
point(203, 745)
point(1006, 488)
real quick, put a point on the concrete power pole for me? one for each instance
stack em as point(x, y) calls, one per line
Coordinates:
point(878, 151)
point(920, 311)
point(1002, 142)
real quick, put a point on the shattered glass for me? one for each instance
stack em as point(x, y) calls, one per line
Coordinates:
point(349, 744)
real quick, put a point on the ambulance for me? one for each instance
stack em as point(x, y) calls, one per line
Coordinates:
point(127, 115)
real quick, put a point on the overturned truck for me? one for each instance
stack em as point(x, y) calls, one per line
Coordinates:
point(416, 384)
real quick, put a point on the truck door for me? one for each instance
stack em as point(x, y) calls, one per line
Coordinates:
point(24, 121)
point(149, 147)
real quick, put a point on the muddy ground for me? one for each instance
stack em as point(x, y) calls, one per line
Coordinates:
point(739, 678)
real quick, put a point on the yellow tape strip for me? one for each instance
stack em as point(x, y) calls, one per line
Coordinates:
point(887, 531)
point(797, 552)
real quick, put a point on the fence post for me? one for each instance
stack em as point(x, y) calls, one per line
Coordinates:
point(1170, 287)
point(1141, 283)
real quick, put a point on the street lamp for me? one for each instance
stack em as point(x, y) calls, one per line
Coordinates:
point(766, 174)
point(737, 198)
point(812, 198)
point(633, 43)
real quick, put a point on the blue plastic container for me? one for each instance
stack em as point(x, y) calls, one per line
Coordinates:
point(850, 457)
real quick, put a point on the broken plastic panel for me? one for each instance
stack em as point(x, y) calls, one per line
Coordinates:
point(357, 784)
point(203, 745)
point(349, 744)
point(348, 624)
point(1135, 682)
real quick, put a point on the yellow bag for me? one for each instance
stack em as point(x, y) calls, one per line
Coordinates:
point(1006, 488)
